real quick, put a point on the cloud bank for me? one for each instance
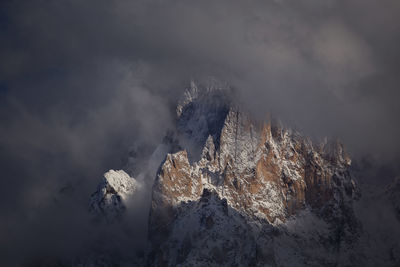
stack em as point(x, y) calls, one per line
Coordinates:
point(81, 82)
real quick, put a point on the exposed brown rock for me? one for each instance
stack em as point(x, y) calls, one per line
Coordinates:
point(262, 170)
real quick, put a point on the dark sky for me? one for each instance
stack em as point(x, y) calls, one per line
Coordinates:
point(82, 81)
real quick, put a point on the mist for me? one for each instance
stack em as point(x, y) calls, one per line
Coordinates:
point(83, 82)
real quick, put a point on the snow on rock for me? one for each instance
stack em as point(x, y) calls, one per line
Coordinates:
point(267, 175)
point(267, 171)
point(202, 113)
point(206, 233)
point(112, 194)
point(288, 201)
point(235, 191)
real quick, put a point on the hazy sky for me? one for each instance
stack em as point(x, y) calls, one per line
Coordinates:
point(82, 81)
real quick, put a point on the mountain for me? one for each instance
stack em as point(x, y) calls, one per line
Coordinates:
point(236, 191)
point(112, 194)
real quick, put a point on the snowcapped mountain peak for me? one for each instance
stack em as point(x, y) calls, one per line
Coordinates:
point(236, 191)
point(112, 194)
point(265, 173)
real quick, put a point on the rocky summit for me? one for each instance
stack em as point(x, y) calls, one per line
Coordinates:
point(236, 191)
point(112, 193)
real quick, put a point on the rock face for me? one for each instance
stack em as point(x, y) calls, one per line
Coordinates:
point(202, 232)
point(231, 200)
point(234, 191)
point(109, 200)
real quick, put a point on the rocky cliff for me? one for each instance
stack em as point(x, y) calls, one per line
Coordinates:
point(237, 191)
point(259, 172)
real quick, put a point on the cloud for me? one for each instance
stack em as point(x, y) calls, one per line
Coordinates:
point(80, 82)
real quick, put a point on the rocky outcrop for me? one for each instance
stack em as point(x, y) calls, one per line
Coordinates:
point(109, 200)
point(267, 174)
point(231, 190)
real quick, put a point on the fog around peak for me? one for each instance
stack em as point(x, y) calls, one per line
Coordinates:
point(83, 82)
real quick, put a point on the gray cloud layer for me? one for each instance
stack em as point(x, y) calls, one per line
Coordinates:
point(80, 81)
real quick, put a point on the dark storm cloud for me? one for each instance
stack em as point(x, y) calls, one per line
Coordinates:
point(81, 81)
